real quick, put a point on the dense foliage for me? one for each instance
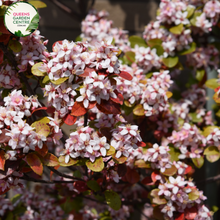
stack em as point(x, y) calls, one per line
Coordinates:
point(137, 106)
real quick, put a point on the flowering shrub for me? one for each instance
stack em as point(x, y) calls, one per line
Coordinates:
point(137, 132)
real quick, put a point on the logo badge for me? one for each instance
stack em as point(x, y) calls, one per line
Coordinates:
point(21, 19)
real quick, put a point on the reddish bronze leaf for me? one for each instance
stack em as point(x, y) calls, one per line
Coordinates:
point(43, 151)
point(4, 191)
point(125, 75)
point(69, 119)
point(91, 105)
point(2, 160)
point(119, 98)
point(87, 71)
point(78, 109)
point(106, 132)
point(2, 27)
point(1, 56)
point(5, 38)
point(35, 163)
point(50, 110)
point(4, 138)
point(50, 160)
point(141, 144)
point(81, 186)
point(37, 109)
point(180, 216)
point(109, 107)
point(191, 213)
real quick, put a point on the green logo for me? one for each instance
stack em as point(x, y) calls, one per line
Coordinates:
point(21, 19)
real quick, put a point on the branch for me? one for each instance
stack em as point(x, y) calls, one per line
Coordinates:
point(28, 178)
point(86, 119)
point(210, 179)
point(66, 9)
point(64, 175)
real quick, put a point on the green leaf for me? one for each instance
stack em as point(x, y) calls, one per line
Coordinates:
point(156, 199)
point(18, 34)
point(214, 208)
point(198, 162)
point(120, 160)
point(97, 165)
point(78, 39)
point(129, 58)
point(106, 218)
point(72, 204)
point(38, 4)
point(170, 171)
point(2, 10)
point(15, 198)
point(77, 174)
point(194, 117)
point(212, 83)
point(9, 216)
point(218, 113)
point(135, 40)
point(139, 110)
point(142, 164)
point(212, 154)
point(200, 74)
point(194, 195)
point(59, 81)
point(93, 185)
point(113, 199)
point(5, 93)
point(15, 46)
point(194, 17)
point(36, 71)
point(110, 151)
point(190, 11)
point(41, 127)
point(212, 150)
point(32, 27)
point(208, 130)
point(170, 61)
point(174, 153)
point(154, 42)
point(159, 49)
point(70, 163)
point(191, 49)
point(19, 210)
point(177, 29)
point(34, 23)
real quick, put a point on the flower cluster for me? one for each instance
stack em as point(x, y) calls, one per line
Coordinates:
point(125, 139)
point(154, 97)
point(6, 206)
point(147, 58)
point(61, 97)
point(9, 78)
point(159, 157)
point(96, 28)
point(32, 49)
point(189, 141)
point(131, 90)
point(107, 121)
point(204, 57)
point(15, 101)
point(85, 143)
point(177, 191)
